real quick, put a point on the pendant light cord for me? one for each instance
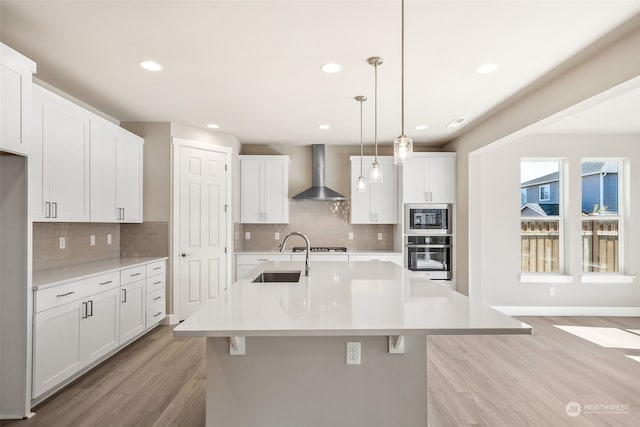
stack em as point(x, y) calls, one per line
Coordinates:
point(361, 141)
point(375, 115)
point(402, 66)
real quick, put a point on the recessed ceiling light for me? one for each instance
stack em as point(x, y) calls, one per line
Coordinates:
point(487, 68)
point(331, 68)
point(456, 122)
point(213, 126)
point(151, 65)
point(324, 127)
point(421, 127)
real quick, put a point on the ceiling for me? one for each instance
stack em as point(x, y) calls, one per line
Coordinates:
point(253, 67)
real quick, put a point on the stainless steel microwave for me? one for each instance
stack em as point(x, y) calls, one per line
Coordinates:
point(427, 218)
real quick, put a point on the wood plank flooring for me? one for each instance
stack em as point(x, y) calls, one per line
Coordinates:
point(472, 380)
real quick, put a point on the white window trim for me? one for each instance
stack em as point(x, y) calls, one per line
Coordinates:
point(546, 278)
point(548, 186)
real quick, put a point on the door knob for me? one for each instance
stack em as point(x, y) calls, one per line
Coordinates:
point(184, 254)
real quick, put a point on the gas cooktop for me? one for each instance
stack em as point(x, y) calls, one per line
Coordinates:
point(320, 249)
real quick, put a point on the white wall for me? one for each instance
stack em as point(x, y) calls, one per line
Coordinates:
point(607, 64)
point(496, 222)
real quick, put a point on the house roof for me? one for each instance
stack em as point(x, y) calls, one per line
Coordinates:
point(588, 168)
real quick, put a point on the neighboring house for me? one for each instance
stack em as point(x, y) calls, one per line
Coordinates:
point(539, 196)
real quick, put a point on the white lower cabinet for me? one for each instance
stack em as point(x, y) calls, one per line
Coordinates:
point(132, 310)
point(80, 322)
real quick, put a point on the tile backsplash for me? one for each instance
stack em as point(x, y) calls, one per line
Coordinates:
point(325, 223)
point(78, 248)
point(148, 239)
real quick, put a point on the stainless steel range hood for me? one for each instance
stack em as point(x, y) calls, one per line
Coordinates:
point(318, 190)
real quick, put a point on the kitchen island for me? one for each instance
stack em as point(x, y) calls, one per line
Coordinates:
point(277, 352)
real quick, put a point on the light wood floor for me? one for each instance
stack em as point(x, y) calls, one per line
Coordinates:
point(481, 380)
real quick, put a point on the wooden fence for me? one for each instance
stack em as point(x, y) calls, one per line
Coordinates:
point(540, 245)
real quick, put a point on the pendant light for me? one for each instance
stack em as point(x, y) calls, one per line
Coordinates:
point(361, 184)
point(375, 172)
point(402, 145)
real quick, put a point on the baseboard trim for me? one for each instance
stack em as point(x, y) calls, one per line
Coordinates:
point(568, 311)
point(170, 319)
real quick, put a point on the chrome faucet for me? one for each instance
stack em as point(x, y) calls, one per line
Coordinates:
point(306, 239)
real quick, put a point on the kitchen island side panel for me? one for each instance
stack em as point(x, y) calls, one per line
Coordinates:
point(295, 381)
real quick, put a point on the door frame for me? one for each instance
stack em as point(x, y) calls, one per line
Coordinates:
point(174, 218)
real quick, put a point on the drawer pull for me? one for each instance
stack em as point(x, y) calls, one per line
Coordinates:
point(157, 314)
point(157, 298)
point(263, 259)
point(66, 294)
point(158, 282)
point(105, 283)
point(157, 268)
point(134, 274)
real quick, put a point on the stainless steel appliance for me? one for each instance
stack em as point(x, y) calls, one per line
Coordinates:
point(320, 249)
point(427, 219)
point(430, 254)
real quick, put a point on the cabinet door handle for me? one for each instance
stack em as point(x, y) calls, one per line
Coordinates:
point(158, 282)
point(65, 294)
point(90, 305)
point(47, 209)
point(157, 314)
point(157, 268)
point(157, 298)
point(135, 274)
point(123, 214)
point(55, 209)
point(124, 295)
point(263, 259)
point(105, 283)
point(84, 310)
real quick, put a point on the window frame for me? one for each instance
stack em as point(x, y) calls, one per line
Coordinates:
point(548, 187)
point(563, 265)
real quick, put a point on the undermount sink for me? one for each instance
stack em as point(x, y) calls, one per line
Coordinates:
point(278, 277)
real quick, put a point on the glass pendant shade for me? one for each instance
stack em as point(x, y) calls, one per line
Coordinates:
point(361, 184)
point(402, 149)
point(375, 173)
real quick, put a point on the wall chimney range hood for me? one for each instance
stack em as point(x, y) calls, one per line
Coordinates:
point(318, 190)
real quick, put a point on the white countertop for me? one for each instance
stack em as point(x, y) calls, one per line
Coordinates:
point(43, 279)
point(342, 299)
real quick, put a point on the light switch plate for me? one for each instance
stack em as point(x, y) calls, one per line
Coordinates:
point(350, 236)
point(379, 236)
point(276, 235)
point(247, 235)
point(62, 242)
point(92, 240)
point(108, 239)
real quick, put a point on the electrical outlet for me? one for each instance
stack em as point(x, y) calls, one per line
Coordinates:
point(108, 239)
point(62, 242)
point(247, 235)
point(350, 236)
point(276, 236)
point(353, 353)
point(92, 240)
point(552, 291)
point(379, 236)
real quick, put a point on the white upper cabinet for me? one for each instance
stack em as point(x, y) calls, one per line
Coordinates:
point(15, 95)
point(264, 189)
point(429, 179)
point(116, 173)
point(379, 203)
point(59, 163)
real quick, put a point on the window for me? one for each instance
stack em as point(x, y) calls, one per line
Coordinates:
point(544, 193)
point(523, 197)
point(540, 220)
point(601, 219)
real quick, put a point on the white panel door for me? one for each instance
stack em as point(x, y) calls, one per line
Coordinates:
point(202, 228)
point(101, 328)
point(132, 310)
point(129, 151)
point(57, 353)
point(251, 191)
point(103, 171)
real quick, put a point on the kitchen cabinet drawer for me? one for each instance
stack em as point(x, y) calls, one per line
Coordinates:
point(257, 259)
point(102, 283)
point(133, 274)
point(55, 296)
point(155, 283)
point(156, 268)
point(156, 309)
